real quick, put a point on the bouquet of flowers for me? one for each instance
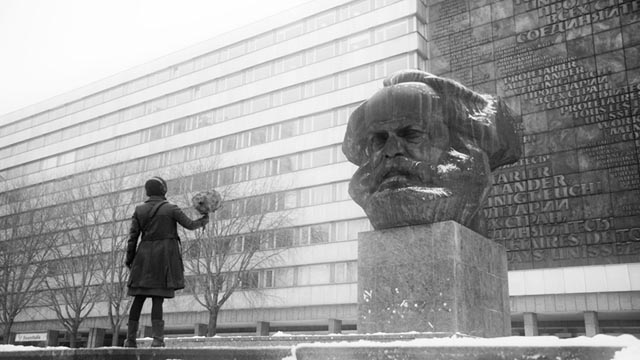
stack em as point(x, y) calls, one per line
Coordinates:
point(207, 201)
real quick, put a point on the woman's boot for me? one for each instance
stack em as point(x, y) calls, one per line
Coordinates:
point(157, 332)
point(132, 332)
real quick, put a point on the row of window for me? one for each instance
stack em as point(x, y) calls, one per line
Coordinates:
point(221, 145)
point(260, 169)
point(320, 274)
point(263, 102)
point(278, 238)
point(304, 275)
point(281, 238)
point(233, 51)
point(22, 225)
point(282, 277)
point(257, 136)
point(288, 95)
point(336, 231)
point(216, 86)
point(184, 184)
point(287, 200)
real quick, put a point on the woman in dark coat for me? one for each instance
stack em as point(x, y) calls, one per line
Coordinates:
point(156, 264)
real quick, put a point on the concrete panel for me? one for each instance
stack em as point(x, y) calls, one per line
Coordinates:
point(634, 276)
point(553, 280)
point(574, 280)
point(603, 301)
point(597, 279)
point(517, 284)
point(534, 283)
point(560, 302)
point(580, 301)
point(617, 277)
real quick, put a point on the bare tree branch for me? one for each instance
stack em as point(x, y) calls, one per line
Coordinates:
point(223, 259)
point(27, 234)
point(75, 286)
point(117, 205)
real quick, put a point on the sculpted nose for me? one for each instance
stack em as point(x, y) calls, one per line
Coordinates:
point(392, 147)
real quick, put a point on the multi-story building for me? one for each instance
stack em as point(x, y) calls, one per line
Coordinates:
point(269, 103)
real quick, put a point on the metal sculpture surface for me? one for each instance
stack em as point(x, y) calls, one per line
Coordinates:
point(425, 147)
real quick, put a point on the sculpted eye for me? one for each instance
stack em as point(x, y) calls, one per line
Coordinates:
point(410, 134)
point(378, 139)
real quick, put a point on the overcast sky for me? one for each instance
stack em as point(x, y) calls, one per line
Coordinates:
point(49, 47)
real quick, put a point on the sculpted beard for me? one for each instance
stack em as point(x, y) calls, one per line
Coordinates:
point(400, 172)
point(394, 174)
point(414, 190)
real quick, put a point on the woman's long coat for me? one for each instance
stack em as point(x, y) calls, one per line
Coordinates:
point(156, 262)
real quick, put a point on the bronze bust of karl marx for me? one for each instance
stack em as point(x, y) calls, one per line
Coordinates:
point(425, 147)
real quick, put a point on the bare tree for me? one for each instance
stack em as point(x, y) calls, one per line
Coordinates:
point(27, 234)
point(223, 258)
point(75, 284)
point(72, 290)
point(117, 205)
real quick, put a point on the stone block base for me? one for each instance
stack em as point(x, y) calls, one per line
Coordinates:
point(311, 352)
point(357, 351)
point(440, 277)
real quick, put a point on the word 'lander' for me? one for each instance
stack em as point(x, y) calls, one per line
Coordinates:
point(545, 188)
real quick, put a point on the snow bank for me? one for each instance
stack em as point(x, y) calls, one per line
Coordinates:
point(10, 348)
point(630, 344)
point(515, 341)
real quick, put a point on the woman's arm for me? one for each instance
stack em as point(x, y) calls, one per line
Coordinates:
point(186, 222)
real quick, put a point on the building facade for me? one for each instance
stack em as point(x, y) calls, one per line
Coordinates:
point(269, 103)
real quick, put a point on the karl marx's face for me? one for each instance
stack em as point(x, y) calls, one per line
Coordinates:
point(416, 167)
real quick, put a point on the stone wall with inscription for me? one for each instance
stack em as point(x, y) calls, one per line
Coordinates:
point(571, 69)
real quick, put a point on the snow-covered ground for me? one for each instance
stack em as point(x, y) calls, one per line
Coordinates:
point(630, 344)
point(9, 348)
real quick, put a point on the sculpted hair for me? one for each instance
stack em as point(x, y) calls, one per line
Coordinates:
point(473, 120)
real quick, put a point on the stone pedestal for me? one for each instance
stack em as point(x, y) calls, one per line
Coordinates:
point(262, 328)
point(96, 337)
point(440, 277)
point(200, 330)
point(591, 323)
point(530, 324)
point(335, 326)
point(52, 337)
